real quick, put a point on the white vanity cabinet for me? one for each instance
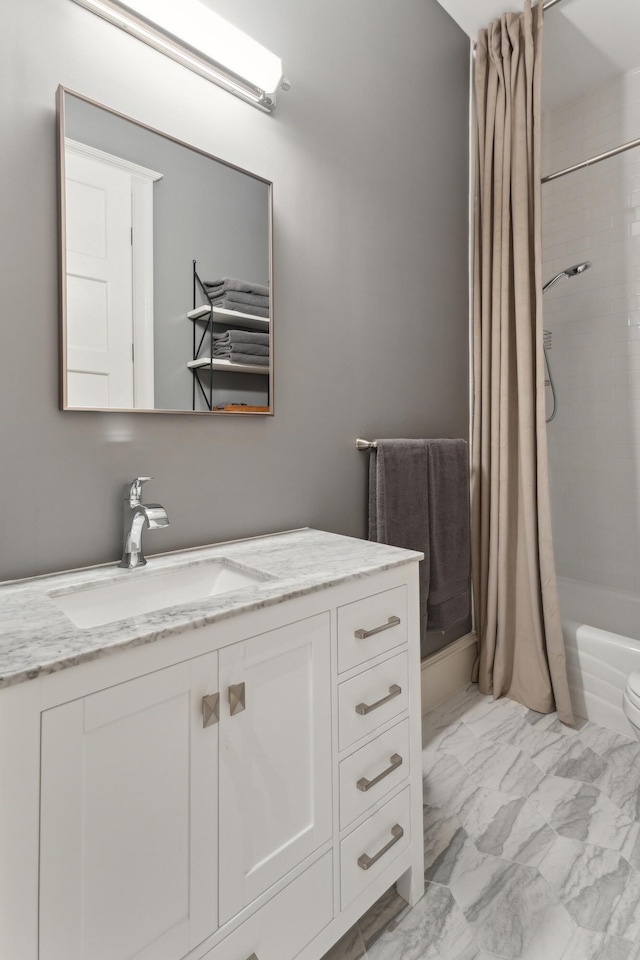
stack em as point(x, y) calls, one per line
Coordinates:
point(238, 790)
point(131, 784)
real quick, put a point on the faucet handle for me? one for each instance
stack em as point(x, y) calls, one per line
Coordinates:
point(135, 490)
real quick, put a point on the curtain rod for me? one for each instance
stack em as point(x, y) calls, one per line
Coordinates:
point(589, 163)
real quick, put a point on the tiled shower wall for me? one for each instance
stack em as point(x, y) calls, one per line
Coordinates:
point(594, 319)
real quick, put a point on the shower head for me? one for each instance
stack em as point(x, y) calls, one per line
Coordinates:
point(579, 268)
point(569, 272)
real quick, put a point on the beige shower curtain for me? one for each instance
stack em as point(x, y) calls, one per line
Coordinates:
point(516, 602)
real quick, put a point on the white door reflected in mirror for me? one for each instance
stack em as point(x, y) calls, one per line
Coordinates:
point(109, 235)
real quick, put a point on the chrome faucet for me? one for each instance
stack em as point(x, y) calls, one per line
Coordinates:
point(136, 515)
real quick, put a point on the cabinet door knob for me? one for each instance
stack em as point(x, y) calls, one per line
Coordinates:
point(363, 634)
point(236, 702)
point(210, 709)
point(364, 708)
point(365, 861)
point(395, 760)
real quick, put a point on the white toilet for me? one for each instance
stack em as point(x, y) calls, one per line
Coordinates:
point(631, 702)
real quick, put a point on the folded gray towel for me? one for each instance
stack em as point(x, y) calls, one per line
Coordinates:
point(256, 349)
point(230, 283)
point(241, 336)
point(250, 299)
point(419, 499)
point(249, 358)
point(257, 311)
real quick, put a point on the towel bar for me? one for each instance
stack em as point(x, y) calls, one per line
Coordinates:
point(369, 444)
point(366, 444)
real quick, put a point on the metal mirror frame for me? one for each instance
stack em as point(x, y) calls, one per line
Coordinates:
point(60, 104)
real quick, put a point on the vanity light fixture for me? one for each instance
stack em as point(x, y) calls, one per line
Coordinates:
point(193, 35)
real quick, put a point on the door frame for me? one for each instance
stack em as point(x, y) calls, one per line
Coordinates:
point(142, 181)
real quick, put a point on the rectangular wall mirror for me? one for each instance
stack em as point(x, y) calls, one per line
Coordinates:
point(166, 270)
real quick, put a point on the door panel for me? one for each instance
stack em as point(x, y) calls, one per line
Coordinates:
point(99, 280)
point(123, 773)
point(275, 758)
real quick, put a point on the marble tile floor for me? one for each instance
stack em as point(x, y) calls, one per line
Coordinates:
point(532, 842)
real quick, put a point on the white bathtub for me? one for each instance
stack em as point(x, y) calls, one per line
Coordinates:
point(602, 640)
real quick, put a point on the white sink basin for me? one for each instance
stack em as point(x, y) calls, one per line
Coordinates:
point(143, 591)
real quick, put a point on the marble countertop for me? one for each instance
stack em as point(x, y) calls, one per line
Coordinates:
point(36, 637)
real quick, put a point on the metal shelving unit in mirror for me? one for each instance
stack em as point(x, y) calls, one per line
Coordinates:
point(210, 365)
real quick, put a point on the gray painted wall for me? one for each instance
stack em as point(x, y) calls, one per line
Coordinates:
point(203, 210)
point(368, 156)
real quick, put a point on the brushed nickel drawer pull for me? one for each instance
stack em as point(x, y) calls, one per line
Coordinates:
point(237, 702)
point(364, 708)
point(365, 861)
point(210, 709)
point(363, 634)
point(363, 784)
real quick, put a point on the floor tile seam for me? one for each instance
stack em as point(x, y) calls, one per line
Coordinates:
point(579, 783)
point(541, 815)
point(492, 956)
point(505, 793)
point(602, 793)
point(520, 793)
point(589, 929)
point(604, 932)
point(437, 883)
point(494, 858)
point(573, 923)
point(607, 794)
point(531, 806)
point(633, 867)
point(588, 843)
point(468, 926)
point(547, 884)
point(502, 859)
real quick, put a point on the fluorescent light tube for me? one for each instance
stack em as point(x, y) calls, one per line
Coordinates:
point(201, 40)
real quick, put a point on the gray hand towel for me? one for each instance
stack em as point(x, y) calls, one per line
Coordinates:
point(448, 602)
point(241, 336)
point(249, 358)
point(255, 349)
point(249, 299)
point(256, 311)
point(230, 283)
point(419, 499)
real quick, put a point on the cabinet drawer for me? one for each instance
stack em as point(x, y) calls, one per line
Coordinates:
point(287, 923)
point(367, 701)
point(372, 846)
point(371, 626)
point(373, 771)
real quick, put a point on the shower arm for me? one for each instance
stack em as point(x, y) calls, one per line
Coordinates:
point(553, 280)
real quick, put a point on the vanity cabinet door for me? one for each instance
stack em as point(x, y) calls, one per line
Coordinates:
point(128, 819)
point(275, 757)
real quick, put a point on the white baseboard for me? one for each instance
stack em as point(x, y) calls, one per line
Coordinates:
point(447, 670)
